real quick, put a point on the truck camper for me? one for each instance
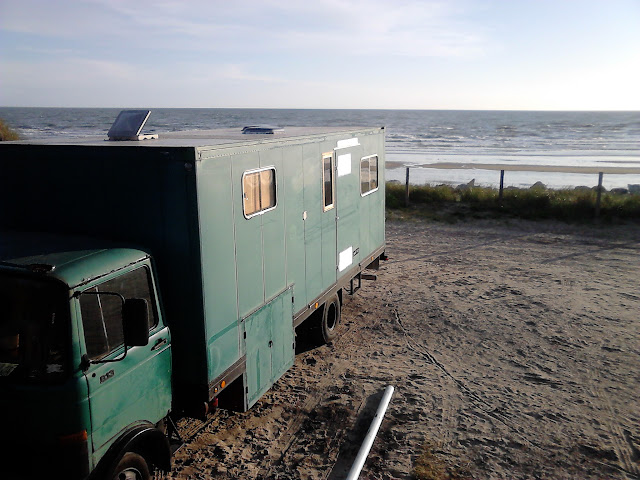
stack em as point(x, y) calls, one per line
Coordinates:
point(151, 276)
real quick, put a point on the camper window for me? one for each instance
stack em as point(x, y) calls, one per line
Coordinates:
point(258, 191)
point(327, 180)
point(368, 174)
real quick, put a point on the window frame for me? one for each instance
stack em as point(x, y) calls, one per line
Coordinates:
point(154, 310)
point(325, 207)
point(371, 190)
point(275, 191)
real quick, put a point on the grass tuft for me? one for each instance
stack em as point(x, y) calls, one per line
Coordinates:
point(447, 203)
point(7, 133)
point(430, 466)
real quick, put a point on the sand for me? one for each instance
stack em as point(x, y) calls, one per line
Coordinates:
point(514, 350)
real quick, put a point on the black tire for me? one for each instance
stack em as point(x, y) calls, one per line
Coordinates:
point(330, 319)
point(132, 467)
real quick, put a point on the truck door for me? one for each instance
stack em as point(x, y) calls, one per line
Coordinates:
point(329, 243)
point(348, 202)
point(138, 386)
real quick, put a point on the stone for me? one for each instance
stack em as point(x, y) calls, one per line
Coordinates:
point(466, 186)
point(619, 191)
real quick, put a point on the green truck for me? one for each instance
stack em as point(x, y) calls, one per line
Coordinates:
point(142, 281)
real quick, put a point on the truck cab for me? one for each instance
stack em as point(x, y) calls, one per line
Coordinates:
point(85, 355)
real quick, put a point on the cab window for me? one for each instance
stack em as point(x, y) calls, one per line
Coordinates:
point(102, 312)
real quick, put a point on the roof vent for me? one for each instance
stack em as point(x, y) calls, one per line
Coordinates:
point(41, 267)
point(128, 125)
point(264, 129)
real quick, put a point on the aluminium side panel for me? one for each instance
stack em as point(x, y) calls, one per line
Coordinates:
point(248, 235)
point(258, 348)
point(311, 161)
point(329, 217)
point(269, 344)
point(372, 202)
point(274, 243)
point(348, 207)
point(292, 199)
point(215, 190)
point(377, 201)
point(283, 346)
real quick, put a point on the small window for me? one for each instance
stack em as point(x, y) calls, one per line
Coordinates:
point(258, 191)
point(368, 174)
point(102, 314)
point(328, 193)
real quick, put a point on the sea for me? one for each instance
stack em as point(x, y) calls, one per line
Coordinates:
point(413, 138)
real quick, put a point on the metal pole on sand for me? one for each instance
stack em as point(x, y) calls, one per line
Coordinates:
point(406, 190)
point(354, 473)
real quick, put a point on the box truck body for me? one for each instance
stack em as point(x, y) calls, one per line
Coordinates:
point(232, 241)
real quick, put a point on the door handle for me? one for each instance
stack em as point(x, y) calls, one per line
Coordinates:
point(161, 342)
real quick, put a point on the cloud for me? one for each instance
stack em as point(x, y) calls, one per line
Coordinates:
point(357, 27)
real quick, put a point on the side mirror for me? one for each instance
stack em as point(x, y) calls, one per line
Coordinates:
point(135, 320)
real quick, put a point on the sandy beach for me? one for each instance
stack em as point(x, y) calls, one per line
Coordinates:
point(513, 348)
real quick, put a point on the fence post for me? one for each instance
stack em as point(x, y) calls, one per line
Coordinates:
point(501, 187)
point(599, 194)
point(406, 190)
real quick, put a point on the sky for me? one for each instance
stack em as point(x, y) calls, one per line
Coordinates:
point(381, 54)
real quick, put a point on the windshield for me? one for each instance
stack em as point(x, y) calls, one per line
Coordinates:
point(34, 316)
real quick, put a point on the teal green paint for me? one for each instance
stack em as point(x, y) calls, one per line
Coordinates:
point(368, 202)
point(222, 347)
point(273, 228)
point(282, 334)
point(377, 203)
point(137, 387)
point(312, 168)
point(75, 263)
point(217, 252)
point(348, 207)
point(293, 203)
point(328, 227)
point(328, 249)
point(248, 234)
point(181, 201)
point(269, 345)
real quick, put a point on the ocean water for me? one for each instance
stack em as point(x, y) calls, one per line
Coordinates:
point(413, 137)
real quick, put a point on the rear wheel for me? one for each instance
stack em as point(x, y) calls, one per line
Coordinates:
point(132, 467)
point(330, 319)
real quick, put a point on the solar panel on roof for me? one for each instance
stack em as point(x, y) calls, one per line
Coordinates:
point(128, 125)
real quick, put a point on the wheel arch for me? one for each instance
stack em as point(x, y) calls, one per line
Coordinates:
point(142, 438)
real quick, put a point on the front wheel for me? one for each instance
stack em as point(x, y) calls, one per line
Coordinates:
point(132, 467)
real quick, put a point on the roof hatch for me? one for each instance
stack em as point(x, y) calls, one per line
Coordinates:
point(264, 129)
